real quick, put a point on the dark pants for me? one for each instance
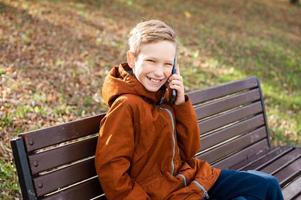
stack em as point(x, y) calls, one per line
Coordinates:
point(245, 185)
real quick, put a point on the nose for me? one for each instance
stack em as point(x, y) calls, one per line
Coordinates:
point(159, 71)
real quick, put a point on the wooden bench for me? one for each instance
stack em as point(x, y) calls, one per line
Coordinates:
point(58, 162)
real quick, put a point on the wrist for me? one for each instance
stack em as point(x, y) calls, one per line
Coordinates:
point(180, 100)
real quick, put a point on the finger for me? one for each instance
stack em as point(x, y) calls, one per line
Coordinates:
point(176, 82)
point(176, 77)
point(176, 87)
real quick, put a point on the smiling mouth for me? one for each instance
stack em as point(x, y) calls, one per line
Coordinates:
point(155, 80)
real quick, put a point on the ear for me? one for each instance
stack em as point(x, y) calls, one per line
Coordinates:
point(131, 59)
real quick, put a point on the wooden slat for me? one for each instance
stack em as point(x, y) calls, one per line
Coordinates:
point(100, 197)
point(292, 190)
point(227, 103)
point(201, 96)
point(233, 146)
point(62, 155)
point(263, 160)
point(289, 172)
point(283, 161)
point(229, 117)
point(57, 134)
point(222, 135)
point(255, 149)
point(64, 177)
point(86, 190)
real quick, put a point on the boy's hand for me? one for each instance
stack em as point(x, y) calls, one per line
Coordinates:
point(176, 82)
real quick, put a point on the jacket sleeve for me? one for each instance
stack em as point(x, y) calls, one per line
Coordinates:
point(114, 152)
point(188, 131)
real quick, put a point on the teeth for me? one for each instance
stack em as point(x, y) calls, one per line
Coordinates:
point(154, 80)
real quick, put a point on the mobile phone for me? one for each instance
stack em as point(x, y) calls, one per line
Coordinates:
point(173, 95)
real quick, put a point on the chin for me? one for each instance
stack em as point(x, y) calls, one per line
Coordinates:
point(152, 89)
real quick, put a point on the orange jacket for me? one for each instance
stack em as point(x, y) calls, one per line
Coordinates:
point(146, 146)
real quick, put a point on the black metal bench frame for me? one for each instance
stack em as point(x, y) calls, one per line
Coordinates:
point(58, 162)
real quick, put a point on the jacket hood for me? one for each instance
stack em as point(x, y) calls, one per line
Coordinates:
point(121, 80)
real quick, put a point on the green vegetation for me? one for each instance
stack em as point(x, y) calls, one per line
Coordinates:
point(11, 187)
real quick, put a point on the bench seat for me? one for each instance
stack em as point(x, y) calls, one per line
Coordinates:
point(58, 162)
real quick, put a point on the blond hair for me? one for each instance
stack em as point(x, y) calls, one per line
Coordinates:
point(148, 32)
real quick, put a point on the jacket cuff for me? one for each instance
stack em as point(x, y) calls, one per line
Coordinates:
point(184, 109)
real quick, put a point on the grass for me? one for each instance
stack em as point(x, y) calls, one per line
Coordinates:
point(2, 70)
point(55, 55)
point(7, 172)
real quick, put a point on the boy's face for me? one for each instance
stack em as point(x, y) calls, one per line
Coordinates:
point(153, 65)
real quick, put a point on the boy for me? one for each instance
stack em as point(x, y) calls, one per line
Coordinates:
point(146, 143)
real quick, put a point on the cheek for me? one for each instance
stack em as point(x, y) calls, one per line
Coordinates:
point(145, 68)
point(139, 68)
point(167, 72)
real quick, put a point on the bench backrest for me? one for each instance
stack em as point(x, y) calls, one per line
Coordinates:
point(58, 162)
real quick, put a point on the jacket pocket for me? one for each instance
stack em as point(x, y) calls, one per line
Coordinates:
point(183, 179)
point(187, 172)
point(153, 187)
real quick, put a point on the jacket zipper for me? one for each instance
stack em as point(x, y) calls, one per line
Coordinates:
point(201, 188)
point(173, 139)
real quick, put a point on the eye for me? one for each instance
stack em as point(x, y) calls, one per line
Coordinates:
point(168, 64)
point(150, 60)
